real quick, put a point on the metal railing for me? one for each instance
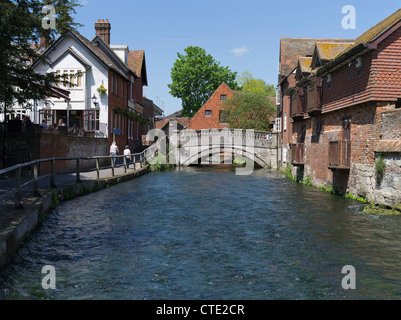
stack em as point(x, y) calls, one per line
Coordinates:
point(17, 171)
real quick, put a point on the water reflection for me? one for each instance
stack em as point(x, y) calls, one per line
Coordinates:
point(205, 233)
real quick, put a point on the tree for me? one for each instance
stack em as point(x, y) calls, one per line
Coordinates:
point(249, 110)
point(195, 76)
point(249, 84)
point(22, 25)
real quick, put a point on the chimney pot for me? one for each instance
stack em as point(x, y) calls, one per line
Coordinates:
point(103, 30)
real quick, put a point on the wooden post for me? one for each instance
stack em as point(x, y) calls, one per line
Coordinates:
point(52, 173)
point(18, 187)
point(125, 164)
point(78, 180)
point(97, 169)
point(35, 180)
point(112, 166)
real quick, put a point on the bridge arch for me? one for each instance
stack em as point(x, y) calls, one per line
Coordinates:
point(210, 151)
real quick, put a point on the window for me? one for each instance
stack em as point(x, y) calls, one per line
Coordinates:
point(74, 77)
point(48, 116)
point(132, 83)
point(277, 125)
point(112, 85)
point(97, 120)
point(122, 89)
point(208, 113)
point(116, 86)
point(223, 97)
point(89, 120)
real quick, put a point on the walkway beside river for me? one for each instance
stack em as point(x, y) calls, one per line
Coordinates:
point(17, 224)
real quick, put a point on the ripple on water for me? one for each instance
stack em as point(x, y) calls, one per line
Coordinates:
point(207, 234)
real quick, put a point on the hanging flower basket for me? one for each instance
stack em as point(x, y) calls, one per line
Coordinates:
point(102, 90)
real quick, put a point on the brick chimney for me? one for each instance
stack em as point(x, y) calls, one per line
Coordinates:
point(103, 30)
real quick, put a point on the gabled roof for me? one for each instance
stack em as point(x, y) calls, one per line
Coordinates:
point(99, 53)
point(71, 52)
point(136, 62)
point(303, 67)
point(291, 49)
point(374, 32)
point(366, 41)
point(93, 49)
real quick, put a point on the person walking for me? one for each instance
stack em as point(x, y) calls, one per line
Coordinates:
point(114, 151)
point(127, 154)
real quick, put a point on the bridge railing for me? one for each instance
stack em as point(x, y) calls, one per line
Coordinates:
point(260, 138)
point(17, 171)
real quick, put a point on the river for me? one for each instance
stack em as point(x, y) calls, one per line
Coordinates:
point(207, 234)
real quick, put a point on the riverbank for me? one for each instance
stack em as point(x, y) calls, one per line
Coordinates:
point(370, 209)
point(17, 225)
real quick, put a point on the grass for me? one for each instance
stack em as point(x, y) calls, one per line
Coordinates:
point(360, 199)
point(373, 209)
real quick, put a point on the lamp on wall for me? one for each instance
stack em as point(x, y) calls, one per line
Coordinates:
point(94, 100)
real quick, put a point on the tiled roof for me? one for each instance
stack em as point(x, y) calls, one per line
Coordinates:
point(329, 50)
point(291, 49)
point(366, 38)
point(305, 64)
point(135, 61)
point(99, 53)
point(374, 32)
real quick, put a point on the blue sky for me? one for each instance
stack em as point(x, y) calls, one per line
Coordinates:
point(243, 35)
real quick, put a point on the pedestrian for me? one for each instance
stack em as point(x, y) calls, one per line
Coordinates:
point(27, 122)
point(44, 125)
point(114, 151)
point(127, 154)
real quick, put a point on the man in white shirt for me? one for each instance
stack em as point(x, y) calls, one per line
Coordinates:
point(114, 151)
point(127, 154)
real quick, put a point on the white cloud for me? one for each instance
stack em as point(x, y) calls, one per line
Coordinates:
point(240, 51)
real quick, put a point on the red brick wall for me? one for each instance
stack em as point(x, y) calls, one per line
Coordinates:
point(200, 121)
point(115, 101)
point(366, 132)
point(138, 90)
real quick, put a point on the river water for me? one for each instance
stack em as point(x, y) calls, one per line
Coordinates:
point(207, 234)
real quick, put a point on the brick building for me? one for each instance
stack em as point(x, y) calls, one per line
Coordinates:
point(344, 102)
point(209, 115)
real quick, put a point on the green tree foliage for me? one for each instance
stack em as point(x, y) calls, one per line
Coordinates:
point(249, 84)
point(249, 110)
point(195, 76)
point(20, 32)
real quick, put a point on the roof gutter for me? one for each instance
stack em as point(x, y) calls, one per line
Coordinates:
point(343, 59)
